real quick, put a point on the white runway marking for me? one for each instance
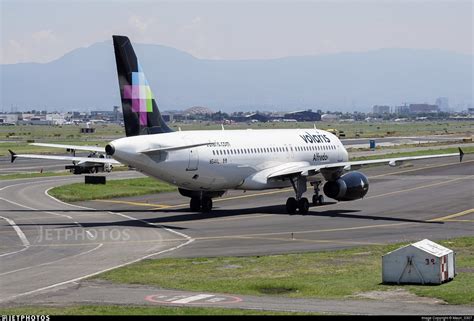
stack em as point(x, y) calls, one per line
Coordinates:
point(34, 209)
point(64, 258)
point(18, 231)
point(193, 298)
point(10, 253)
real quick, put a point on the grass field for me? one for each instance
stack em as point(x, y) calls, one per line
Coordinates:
point(353, 129)
point(325, 274)
point(133, 310)
point(17, 137)
point(32, 175)
point(113, 188)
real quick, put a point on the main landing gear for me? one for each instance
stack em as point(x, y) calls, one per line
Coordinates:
point(299, 203)
point(198, 204)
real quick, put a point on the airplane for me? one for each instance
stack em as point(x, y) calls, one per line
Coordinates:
point(204, 164)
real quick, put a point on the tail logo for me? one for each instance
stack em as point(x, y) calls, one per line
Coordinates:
point(140, 94)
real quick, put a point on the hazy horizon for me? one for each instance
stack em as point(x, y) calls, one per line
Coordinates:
point(228, 30)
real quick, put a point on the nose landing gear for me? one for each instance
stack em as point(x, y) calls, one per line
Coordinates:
point(198, 204)
point(317, 199)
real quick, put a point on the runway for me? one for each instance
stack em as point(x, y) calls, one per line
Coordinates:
point(52, 245)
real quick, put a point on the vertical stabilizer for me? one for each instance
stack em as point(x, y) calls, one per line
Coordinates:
point(140, 111)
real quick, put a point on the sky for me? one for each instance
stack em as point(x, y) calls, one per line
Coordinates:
point(41, 31)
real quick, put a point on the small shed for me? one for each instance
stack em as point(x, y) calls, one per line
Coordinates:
point(423, 262)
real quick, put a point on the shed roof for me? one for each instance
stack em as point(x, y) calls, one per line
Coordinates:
point(427, 246)
point(432, 247)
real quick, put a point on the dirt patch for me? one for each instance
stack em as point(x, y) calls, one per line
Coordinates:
point(398, 295)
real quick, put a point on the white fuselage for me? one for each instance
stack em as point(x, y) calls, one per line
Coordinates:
point(232, 159)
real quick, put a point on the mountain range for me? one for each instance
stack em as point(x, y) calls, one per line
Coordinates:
point(85, 79)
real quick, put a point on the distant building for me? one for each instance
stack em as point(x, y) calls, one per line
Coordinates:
point(8, 119)
point(198, 110)
point(303, 115)
point(401, 110)
point(254, 117)
point(423, 108)
point(379, 110)
point(442, 103)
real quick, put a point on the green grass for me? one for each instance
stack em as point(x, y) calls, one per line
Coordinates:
point(450, 150)
point(32, 175)
point(326, 274)
point(133, 310)
point(353, 129)
point(113, 188)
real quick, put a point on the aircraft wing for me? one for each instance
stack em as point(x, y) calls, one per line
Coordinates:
point(75, 147)
point(171, 148)
point(65, 158)
point(309, 170)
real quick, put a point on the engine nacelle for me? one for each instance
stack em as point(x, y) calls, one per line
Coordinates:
point(348, 187)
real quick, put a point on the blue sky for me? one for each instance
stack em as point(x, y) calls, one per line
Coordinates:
point(41, 31)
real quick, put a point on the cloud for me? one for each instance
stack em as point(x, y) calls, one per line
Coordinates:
point(139, 23)
point(14, 52)
point(43, 35)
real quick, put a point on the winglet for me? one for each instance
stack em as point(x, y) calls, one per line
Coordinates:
point(13, 155)
point(461, 154)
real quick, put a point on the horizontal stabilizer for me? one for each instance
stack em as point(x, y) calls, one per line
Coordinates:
point(74, 147)
point(66, 158)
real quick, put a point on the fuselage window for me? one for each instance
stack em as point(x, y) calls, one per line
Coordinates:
point(213, 152)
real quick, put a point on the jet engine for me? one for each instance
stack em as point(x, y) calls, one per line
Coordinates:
point(348, 187)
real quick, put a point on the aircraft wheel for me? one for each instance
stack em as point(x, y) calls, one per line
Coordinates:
point(195, 204)
point(206, 204)
point(303, 206)
point(321, 200)
point(291, 205)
